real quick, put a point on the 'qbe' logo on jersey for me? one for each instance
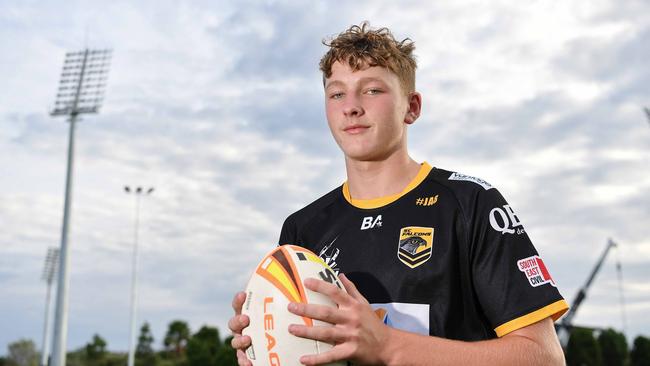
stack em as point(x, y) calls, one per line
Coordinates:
point(415, 245)
point(505, 221)
point(535, 270)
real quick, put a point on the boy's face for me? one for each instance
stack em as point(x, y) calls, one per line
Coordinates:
point(367, 111)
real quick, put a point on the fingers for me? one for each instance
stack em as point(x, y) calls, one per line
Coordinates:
point(240, 342)
point(237, 323)
point(238, 302)
point(323, 358)
point(332, 291)
point(242, 360)
point(351, 288)
point(353, 320)
point(328, 314)
point(329, 334)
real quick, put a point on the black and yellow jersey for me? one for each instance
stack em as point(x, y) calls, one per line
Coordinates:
point(446, 257)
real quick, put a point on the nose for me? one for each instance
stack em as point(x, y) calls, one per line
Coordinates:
point(352, 106)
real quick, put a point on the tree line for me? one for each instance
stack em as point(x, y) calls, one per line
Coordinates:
point(205, 347)
point(181, 347)
point(606, 348)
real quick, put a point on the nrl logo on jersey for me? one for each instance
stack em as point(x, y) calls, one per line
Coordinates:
point(415, 245)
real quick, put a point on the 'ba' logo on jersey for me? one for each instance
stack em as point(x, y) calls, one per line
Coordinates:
point(370, 222)
point(415, 245)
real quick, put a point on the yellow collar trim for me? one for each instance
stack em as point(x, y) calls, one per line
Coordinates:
point(425, 168)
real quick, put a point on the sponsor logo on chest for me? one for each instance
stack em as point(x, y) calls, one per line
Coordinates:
point(371, 222)
point(415, 245)
point(410, 317)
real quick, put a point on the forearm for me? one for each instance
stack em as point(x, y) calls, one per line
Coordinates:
point(405, 348)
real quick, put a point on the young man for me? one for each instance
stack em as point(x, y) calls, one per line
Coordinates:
point(437, 266)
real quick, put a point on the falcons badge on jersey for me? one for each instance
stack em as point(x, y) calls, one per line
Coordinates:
point(415, 245)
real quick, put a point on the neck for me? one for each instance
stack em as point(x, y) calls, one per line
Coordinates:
point(375, 179)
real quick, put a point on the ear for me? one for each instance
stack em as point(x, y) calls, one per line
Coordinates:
point(414, 107)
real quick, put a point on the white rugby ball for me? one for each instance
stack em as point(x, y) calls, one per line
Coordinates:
point(277, 281)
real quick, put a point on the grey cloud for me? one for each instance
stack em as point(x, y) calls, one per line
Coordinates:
point(616, 59)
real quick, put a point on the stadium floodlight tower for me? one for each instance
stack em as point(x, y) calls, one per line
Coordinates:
point(49, 270)
point(81, 91)
point(139, 191)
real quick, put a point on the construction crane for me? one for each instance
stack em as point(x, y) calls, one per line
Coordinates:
point(564, 328)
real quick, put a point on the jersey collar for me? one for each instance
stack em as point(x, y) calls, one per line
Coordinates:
point(425, 168)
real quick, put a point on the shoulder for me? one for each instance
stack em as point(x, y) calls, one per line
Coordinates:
point(461, 185)
point(470, 192)
point(307, 213)
point(458, 181)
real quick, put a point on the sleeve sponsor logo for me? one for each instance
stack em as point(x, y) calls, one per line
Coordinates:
point(479, 181)
point(505, 221)
point(535, 270)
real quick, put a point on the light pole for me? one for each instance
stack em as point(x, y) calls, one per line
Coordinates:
point(134, 269)
point(49, 271)
point(81, 90)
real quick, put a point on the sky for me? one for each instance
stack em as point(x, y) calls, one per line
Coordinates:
point(219, 106)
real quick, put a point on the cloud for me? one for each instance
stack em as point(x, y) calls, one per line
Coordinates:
point(220, 109)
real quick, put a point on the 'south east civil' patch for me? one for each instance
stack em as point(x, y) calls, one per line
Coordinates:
point(535, 271)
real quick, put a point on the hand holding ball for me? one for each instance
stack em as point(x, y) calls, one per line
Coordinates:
point(277, 281)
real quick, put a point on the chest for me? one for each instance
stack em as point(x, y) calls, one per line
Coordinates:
point(392, 252)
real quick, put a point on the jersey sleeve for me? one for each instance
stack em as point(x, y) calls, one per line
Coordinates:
point(288, 234)
point(514, 286)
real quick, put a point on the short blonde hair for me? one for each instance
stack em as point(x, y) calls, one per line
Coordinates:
point(360, 47)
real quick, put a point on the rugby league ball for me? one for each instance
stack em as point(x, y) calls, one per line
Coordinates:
point(277, 281)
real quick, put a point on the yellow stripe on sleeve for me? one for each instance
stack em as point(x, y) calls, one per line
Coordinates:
point(554, 310)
